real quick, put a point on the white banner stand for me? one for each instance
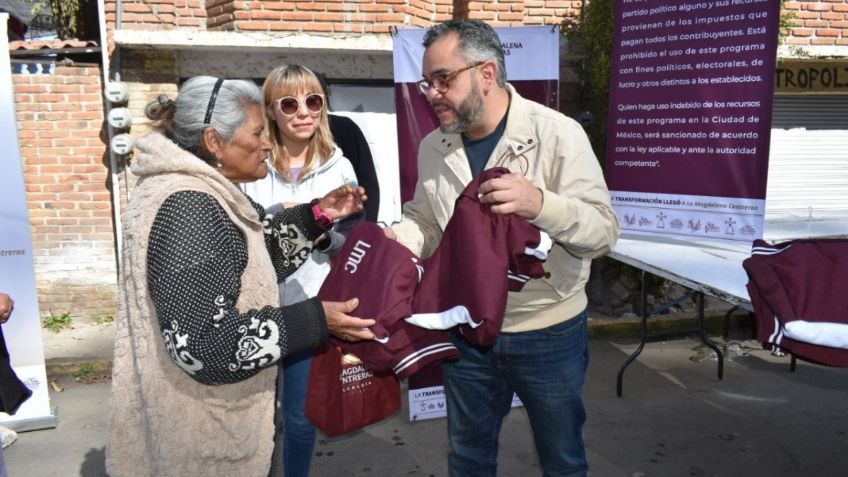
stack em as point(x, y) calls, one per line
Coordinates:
point(17, 272)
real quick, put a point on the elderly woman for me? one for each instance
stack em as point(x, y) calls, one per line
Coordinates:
point(200, 328)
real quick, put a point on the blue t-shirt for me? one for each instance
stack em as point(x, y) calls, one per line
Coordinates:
point(479, 150)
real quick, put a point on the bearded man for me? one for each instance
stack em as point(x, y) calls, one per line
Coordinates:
point(555, 183)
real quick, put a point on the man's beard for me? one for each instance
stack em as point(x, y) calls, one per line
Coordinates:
point(466, 114)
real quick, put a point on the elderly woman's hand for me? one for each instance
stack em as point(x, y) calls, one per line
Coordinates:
point(343, 326)
point(7, 304)
point(343, 201)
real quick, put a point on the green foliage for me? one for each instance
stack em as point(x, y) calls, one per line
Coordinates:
point(66, 17)
point(65, 13)
point(104, 319)
point(56, 323)
point(37, 7)
point(93, 372)
point(785, 25)
point(590, 39)
point(84, 373)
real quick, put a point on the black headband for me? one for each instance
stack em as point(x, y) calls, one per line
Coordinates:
point(212, 99)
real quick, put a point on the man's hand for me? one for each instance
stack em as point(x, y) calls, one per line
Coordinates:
point(7, 304)
point(343, 326)
point(343, 201)
point(512, 194)
point(390, 233)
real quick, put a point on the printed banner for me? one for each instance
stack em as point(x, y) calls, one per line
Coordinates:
point(691, 90)
point(426, 395)
point(17, 273)
point(532, 66)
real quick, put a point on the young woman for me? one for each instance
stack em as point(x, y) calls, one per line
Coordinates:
point(305, 162)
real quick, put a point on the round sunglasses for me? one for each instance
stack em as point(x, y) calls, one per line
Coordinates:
point(289, 105)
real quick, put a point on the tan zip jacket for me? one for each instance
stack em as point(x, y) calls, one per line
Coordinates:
point(553, 152)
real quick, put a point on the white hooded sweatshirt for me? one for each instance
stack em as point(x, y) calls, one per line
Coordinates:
point(274, 189)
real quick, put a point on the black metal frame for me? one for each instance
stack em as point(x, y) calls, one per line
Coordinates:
point(644, 313)
point(792, 359)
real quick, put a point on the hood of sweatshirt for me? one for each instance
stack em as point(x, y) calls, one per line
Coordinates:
point(158, 155)
point(275, 188)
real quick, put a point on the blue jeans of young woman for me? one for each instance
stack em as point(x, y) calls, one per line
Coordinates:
point(295, 439)
point(546, 368)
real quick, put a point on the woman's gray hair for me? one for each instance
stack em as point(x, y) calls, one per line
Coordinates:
point(183, 119)
point(477, 41)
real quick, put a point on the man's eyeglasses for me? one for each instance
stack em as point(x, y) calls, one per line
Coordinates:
point(289, 105)
point(441, 81)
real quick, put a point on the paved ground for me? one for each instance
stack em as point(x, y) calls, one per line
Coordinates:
point(675, 419)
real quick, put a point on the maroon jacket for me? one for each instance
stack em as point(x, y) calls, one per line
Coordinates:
point(799, 281)
point(384, 274)
point(481, 256)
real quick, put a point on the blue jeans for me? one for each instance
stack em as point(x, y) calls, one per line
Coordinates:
point(546, 369)
point(295, 439)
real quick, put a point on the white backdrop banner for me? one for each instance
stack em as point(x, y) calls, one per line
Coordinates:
point(17, 274)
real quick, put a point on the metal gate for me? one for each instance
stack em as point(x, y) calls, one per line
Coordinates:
point(808, 161)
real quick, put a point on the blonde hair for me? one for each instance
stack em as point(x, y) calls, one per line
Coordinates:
point(289, 80)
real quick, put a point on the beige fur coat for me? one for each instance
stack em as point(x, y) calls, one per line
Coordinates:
point(164, 423)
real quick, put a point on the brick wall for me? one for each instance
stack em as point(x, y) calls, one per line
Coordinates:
point(331, 16)
point(820, 23)
point(59, 123)
point(68, 181)
point(158, 14)
point(148, 73)
point(377, 16)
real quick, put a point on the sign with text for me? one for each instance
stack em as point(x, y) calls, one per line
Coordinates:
point(430, 403)
point(691, 90)
point(811, 76)
point(17, 272)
